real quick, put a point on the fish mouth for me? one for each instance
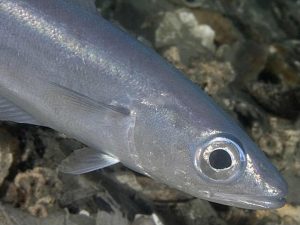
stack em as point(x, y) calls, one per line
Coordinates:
point(251, 202)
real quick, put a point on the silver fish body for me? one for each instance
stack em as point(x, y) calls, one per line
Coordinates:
point(65, 67)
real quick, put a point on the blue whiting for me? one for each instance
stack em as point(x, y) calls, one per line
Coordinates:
point(63, 66)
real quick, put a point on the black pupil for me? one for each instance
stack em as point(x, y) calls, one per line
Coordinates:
point(220, 159)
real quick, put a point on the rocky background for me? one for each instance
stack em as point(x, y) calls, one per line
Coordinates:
point(245, 54)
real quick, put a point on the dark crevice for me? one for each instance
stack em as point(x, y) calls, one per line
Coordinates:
point(268, 77)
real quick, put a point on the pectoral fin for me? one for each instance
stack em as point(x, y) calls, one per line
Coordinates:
point(79, 101)
point(85, 160)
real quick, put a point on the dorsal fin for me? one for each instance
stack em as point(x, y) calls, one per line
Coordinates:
point(80, 101)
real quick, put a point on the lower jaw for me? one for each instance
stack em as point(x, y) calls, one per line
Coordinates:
point(251, 203)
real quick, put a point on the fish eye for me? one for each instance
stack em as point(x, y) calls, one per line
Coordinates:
point(221, 159)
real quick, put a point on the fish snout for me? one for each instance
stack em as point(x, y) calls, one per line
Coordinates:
point(269, 187)
point(277, 186)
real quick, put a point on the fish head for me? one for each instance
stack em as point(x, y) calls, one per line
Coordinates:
point(237, 173)
point(233, 168)
point(203, 152)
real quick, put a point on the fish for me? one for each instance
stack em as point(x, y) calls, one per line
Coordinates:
point(65, 67)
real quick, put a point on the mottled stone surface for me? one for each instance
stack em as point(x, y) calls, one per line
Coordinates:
point(8, 149)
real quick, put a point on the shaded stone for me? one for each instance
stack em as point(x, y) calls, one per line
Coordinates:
point(8, 150)
point(13, 216)
point(191, 212)
point(35, 191)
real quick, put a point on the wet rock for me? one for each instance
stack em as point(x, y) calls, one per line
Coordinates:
point(150, 188)
point(4, 217)
point(256, 19)
point(56, 147)
point(8, 150)
point(13, 216)
point(197, 3)
point(275, 99)
point(276, 86)
point(287, 17)
point(189, 213)
point(280, 140)
point(248, 59)
point(225, 31)
point(283, 64)
point(182, 26)
point(287, 215)
point(100, 194)
point(270, 74)
point(212, 75)
point(147, 220)
point(35, 191)
point(290, 214)
point(116, 218)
